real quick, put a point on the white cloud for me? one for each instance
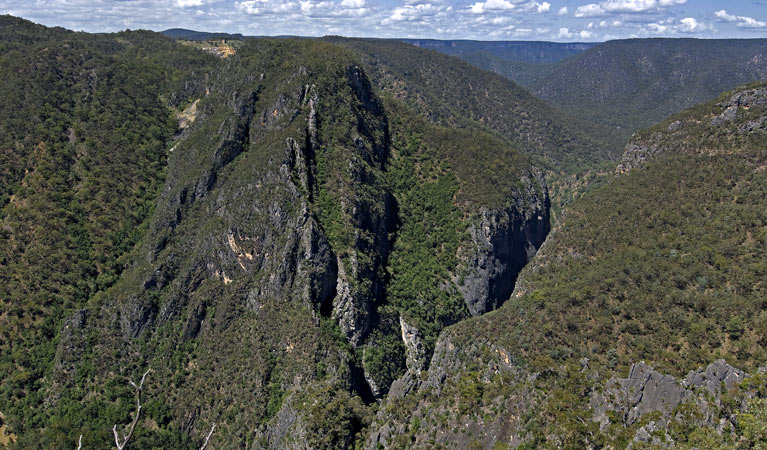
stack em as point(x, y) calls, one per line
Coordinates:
point(565, 33)
point(604, 24)
point(187, 3)
point(740, 21)
point(691, 25)
point(724, 17)
point(329, 9)
point(411, 12)
point(562, 11)
point(624, 7)
point(310, 9)
point(638, 6)
point(492, 5)
point(418, 12)
point(749, 22)
point(657, 28)
point(498, 6)
point(500, 20)
point(628, 6)
point(673, 27)
point(261, 7)
point(590, 10)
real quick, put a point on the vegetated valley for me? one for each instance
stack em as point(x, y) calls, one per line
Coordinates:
point(348, 243)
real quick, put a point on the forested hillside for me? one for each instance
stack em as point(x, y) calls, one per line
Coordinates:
point(625, 85)
point(632, 84)
point(662, 262)
point(262, 254)
point(450, 92)
point(334, 243)
point(85, 123)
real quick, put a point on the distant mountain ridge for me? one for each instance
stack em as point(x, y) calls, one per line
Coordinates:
point(625, 84)
point(191, 35)
point(520, 51)
point(451, 92)
point(634, 83)
point(537, 52)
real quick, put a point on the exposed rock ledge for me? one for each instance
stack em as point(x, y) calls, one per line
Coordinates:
point(647, 391)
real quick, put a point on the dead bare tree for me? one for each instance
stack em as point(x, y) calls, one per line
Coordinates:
point(126, 437)
point(207, 438)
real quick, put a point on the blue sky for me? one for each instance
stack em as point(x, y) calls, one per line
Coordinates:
point(552, 20)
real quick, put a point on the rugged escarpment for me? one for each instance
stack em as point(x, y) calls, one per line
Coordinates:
point(661, 264)
point(312, 251)
point(309, 243)
point(271, 226)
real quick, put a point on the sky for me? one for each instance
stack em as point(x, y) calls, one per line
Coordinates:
point(539, 20)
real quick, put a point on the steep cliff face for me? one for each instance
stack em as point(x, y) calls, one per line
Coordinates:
point(310, 241)
point(270, 233)
point(502, 242)
point(276, 232)
point(356, 206)
point(451, 259)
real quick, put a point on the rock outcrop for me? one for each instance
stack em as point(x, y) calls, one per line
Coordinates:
point(433, 398)
point(743, 100)
point(502, 242)
point(416, 353)
point(744, 111)
point(636, 155)
point(646, 391)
